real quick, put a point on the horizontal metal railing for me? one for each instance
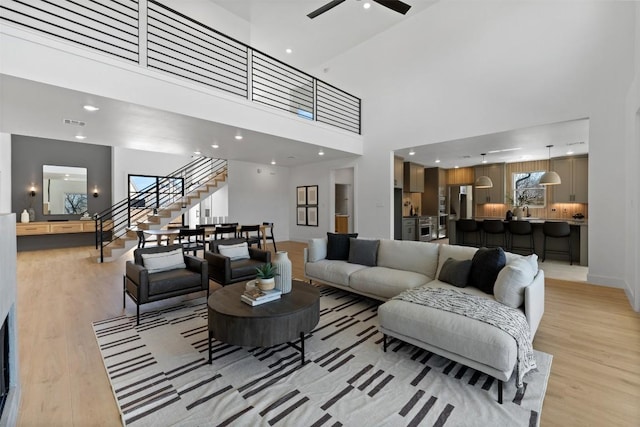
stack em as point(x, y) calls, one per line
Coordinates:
point(110, 26)
point(114, 222)
point(183, 47)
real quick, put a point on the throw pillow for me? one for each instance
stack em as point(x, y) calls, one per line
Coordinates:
point(235, 252)
point(363, 252)
point(317, 249)
point(163, 261)
point(338, 245)
point(455, 272)
point(485, 266)
point(512, 281)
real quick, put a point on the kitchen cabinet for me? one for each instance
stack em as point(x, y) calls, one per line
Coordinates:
point(410, 228)
point(574, 174)
point(398, 172)
point(496, 193)
point(413, 178)
point(342, 224)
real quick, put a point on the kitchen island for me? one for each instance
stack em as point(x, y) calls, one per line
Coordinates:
point(579, 238)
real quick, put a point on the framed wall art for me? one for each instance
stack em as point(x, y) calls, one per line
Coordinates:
point(307, 205)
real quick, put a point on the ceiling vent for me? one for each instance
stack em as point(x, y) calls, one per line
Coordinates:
point(575, 143)
point(73, 122)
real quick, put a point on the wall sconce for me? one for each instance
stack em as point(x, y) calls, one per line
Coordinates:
point(32, 191)
point(95, 192)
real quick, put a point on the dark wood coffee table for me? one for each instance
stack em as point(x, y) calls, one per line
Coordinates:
point(276, 322)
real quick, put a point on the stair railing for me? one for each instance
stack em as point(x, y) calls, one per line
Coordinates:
point(173, 189)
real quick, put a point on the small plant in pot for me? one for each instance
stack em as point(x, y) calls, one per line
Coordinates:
point(266, 274)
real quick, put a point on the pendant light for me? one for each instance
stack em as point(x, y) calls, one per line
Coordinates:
point(483, 181)
point(550, 177)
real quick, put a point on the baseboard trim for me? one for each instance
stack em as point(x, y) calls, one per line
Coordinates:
point(612, 282)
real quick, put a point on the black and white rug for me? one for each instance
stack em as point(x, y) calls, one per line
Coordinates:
point(160, 376)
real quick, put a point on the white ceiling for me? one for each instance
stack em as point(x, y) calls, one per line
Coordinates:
point(35, 109)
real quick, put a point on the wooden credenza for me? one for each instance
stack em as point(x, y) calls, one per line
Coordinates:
point(55, 227)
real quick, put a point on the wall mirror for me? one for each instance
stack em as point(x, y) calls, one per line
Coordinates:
point(64, 190)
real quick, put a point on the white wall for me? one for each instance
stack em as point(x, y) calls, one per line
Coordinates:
point(136, 162)
point(259, 193)
point(473, 68)
point(5, 173)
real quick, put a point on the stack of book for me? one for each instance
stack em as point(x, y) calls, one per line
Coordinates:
point(256, 296)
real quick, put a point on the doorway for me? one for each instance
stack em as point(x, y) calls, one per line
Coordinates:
point(343, 201)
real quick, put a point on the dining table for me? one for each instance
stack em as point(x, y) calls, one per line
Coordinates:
point(210, 228)
point(159, 234)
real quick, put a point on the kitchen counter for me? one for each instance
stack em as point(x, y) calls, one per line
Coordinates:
point(579, 237)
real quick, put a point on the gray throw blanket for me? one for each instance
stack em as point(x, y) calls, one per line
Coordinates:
point(510, 320)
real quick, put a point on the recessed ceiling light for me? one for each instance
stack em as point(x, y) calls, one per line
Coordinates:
point(91, 108)
point(288, 50)
point(197, 152)
point(411, 153)
point(273, 162)
point(320, 153)
point(238, 136)
point(437, 160)
point(80, 137)
point(569, 152)
point(456, 167)
point(215, 146)
point(366, 5)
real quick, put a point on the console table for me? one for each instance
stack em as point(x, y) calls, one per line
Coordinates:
point(57, 227)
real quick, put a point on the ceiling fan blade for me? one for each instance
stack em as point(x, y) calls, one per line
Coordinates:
point(325, 8)
point(395, 5)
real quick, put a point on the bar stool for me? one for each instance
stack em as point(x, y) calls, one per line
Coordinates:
point(494, 227)
point(521, 228)
point(468, 226)
point(557, 230)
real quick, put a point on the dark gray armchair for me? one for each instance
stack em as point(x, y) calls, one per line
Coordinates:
point(225, 271)
point(144, 286)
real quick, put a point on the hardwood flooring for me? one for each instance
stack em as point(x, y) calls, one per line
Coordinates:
point(591, 331)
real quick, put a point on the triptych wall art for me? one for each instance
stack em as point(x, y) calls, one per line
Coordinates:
point(307, 205)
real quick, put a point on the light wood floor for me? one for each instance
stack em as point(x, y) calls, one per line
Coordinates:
point(591, 331)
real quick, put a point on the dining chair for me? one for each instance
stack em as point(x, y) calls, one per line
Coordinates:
point(252, 239)
point(269, 235)
point(191, 239)
point(225, 232)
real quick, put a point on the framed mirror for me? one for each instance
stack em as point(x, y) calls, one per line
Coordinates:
point(64, 190)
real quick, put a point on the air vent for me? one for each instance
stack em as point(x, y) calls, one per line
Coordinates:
point(575, 143)
point(73, 122)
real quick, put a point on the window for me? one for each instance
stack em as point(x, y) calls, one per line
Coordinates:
point(75, 203)
point(527, 190)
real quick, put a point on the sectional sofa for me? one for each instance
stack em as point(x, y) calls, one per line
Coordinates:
point(383, 269)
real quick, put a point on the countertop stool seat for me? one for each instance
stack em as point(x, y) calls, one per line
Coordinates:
point(557, 230)
point(518, 231)
point(494, 228)
point(466, 227)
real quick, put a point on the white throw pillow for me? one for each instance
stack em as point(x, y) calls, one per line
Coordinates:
point(531, 259)
point(511, 282)
point(317, 249)
point(163, 261)
point(235, 252)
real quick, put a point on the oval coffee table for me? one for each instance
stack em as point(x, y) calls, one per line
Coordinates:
point(276, 322)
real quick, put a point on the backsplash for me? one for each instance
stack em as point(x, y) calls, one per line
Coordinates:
point(552, 211)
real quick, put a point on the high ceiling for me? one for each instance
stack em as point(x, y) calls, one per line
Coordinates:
point(36, 109)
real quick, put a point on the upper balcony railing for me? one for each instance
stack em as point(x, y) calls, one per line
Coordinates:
point(159, 38)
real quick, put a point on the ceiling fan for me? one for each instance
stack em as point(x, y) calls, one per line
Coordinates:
point(395, 5)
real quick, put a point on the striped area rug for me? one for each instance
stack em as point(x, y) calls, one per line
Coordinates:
point(160, 376)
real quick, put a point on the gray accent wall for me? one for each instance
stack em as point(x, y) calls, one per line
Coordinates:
point(28, 155)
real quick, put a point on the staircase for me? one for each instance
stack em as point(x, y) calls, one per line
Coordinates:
point(154, 207)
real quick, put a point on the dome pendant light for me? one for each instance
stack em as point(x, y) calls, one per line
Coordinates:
point(483, 181)
point(550, 177)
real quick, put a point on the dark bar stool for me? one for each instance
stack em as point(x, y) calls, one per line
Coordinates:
point(557, 230)
point(520, 229)
point(494, 227)
point(468, 226)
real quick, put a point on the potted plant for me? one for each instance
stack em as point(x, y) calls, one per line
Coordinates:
point(266, 274)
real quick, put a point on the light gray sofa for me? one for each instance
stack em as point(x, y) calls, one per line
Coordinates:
point(403, 265)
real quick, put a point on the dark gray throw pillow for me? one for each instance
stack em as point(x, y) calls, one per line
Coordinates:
point(363, 251)
point(485, 266)
point(338, 245)
point(455, 272)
